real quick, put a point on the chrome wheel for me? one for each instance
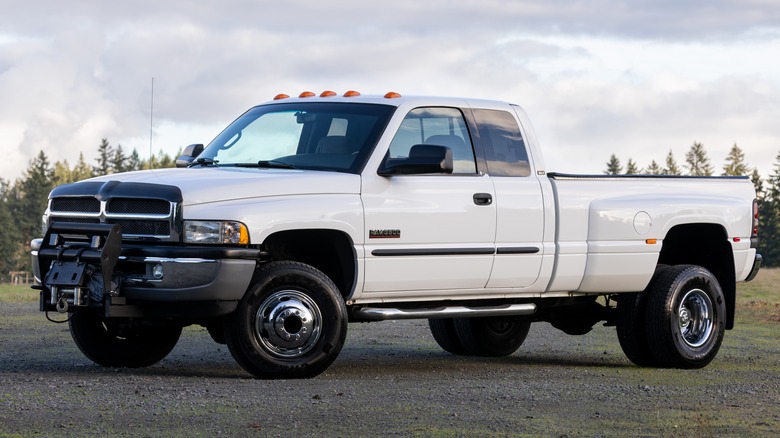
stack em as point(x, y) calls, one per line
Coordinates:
point(695, 317)
point(684, 317)
point(288, 324)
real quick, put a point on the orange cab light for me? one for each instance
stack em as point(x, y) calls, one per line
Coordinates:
point(392, 95)
point(307, 94)
point(351, 93)
point(327, 93)
point(651, 241)
point(281, 96)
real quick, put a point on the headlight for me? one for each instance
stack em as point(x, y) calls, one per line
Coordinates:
point(44, 224)
point(216, 232)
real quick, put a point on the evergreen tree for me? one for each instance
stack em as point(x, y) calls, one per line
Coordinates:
point(165, 160)
point(81, 170)
point(62, 174)
point(671, 165)
point(134, 162)
point(758, 183)
point(632, 168)
point(8, 244)
point(697, 162)
point(735, 163)
point(654, 169)
point(31, 195)
point(613, 166)
point(104, 159)
point(119, 162)
point(769, 222)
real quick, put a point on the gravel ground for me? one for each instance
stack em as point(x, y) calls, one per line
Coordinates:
point(390, 379)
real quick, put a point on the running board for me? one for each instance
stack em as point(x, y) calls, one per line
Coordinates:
point(386, 313)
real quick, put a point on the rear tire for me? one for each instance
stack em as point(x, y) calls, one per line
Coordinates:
point(685, 317)
point(631, 326)
point(114, 342)
point(443, 331)
point(492, 336)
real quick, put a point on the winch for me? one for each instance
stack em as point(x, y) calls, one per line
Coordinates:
point(77, 264)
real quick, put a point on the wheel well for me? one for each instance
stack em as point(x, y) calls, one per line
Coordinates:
point(330, 251)
point(705, 245)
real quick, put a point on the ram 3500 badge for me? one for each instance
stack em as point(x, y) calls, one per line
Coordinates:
point(307, 213)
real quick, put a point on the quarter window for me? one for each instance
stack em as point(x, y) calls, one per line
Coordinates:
point(503, 143)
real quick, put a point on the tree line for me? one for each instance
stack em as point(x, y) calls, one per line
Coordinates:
point(697, 163)
point(24, 201)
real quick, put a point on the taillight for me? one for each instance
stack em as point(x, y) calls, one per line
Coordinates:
point(755, 218)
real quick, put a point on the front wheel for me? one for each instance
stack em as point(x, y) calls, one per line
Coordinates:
point(685, 317)
point(117, 342)
point(291, 323)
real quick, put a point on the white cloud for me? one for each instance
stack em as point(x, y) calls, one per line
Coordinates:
point(597, 78)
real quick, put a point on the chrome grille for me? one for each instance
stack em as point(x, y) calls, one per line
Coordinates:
point(140, 218)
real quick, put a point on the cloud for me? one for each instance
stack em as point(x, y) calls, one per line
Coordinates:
point(596, 77)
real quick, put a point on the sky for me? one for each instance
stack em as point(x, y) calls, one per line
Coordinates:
point(631, 78)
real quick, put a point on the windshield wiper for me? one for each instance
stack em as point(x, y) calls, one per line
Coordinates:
point(266, 165)
point(204, 162)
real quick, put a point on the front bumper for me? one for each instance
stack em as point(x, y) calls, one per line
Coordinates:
point(162, 280)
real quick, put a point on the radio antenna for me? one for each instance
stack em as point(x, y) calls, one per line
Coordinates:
point(151, 126)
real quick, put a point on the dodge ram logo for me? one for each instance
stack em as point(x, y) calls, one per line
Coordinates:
point(384, 234)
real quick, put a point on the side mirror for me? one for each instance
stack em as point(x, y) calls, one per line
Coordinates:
point(188, 156)
point(423, 158)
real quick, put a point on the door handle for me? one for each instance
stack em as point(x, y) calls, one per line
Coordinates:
point(483, 198)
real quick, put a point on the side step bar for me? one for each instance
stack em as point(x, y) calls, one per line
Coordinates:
point(386, 313)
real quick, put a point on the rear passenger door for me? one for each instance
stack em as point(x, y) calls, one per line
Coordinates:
point(430, 232)
point(519, 201)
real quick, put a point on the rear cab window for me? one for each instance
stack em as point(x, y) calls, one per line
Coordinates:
point(503, 143)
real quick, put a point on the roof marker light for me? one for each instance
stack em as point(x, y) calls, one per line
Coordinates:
point(327, 93)
point(281, 96)
point(351, 93)
point(307, 94)
point(392, 95)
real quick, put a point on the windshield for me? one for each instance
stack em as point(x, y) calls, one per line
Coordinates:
point(308, 135)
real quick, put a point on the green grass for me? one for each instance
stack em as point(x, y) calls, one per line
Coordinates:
point(759, 299)
point(10, 293)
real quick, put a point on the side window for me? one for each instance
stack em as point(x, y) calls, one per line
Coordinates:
point(436, 126)
point(504, 146)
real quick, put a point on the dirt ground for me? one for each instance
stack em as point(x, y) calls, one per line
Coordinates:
point(390, 379)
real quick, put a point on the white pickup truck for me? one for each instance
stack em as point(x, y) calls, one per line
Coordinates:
point(307, 213)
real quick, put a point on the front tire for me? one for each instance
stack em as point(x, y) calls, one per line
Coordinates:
point(685, 317)
point(492, 336)
point(291, 323)
point(115, 342)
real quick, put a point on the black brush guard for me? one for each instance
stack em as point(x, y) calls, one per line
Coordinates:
point(77, 264)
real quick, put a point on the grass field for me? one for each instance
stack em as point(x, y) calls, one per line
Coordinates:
point(10, 293)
